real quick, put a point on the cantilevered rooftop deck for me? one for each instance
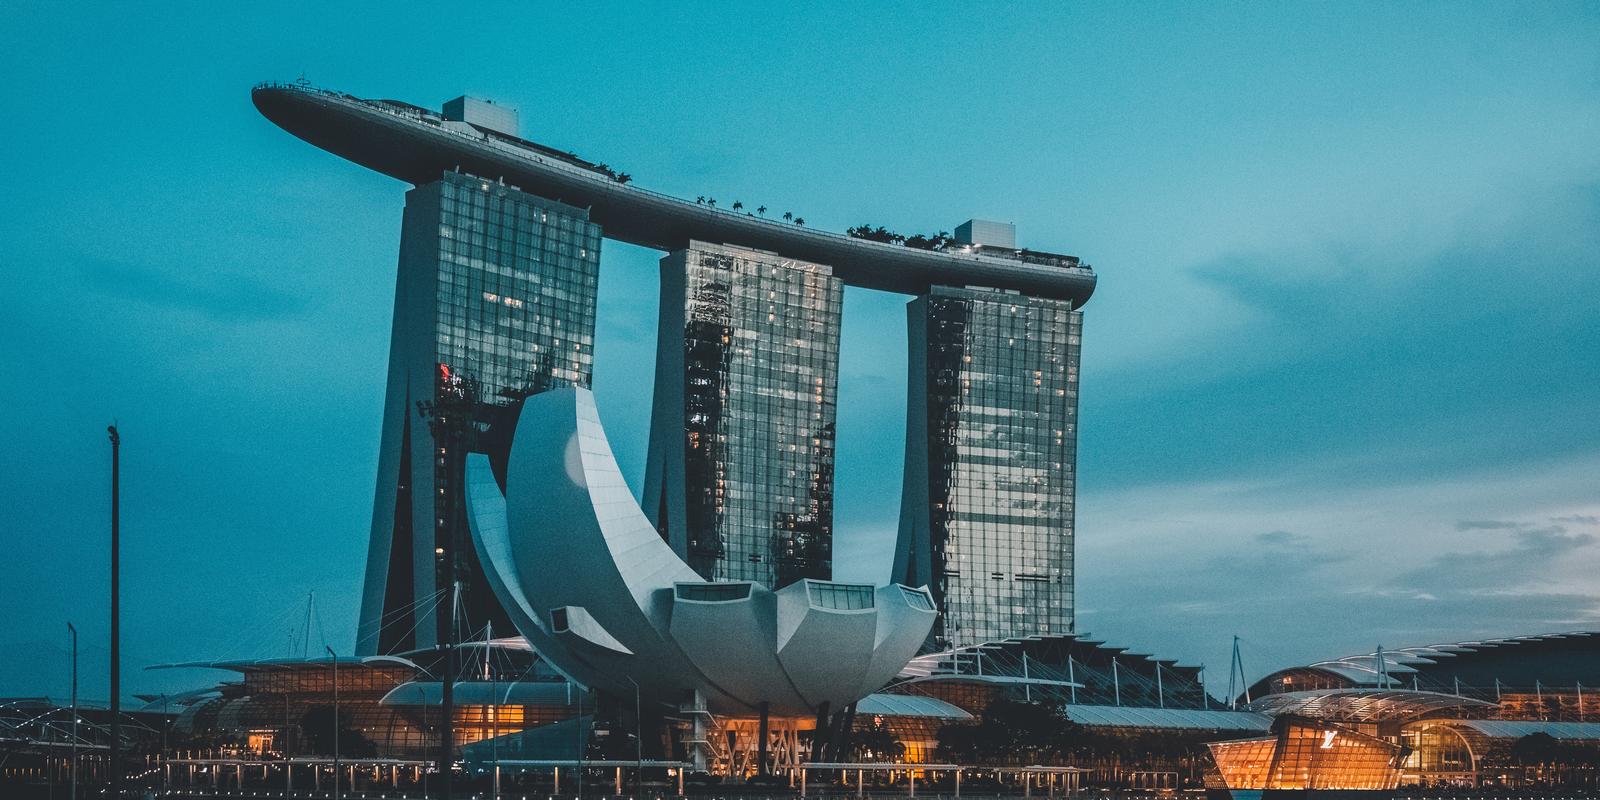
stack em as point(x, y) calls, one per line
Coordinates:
point(416, 145)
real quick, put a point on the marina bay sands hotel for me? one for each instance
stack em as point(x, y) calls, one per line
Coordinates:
point(495, 301)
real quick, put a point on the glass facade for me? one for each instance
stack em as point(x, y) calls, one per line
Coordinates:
point(276, 709)
point(1437, 751)
point(987, 515)
point(840, 596)
point(516, 300)
point(495, 301)
point(1307, 755)
point(740, 475)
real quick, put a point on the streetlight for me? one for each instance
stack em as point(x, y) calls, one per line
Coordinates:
point(74, 632)
point(334, 660)
point(638, 740)
point(494, 694)
point(116, 612)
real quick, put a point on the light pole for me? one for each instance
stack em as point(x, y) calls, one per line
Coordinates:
point(494, 694)
point(638, 740)
point(74, 632)
point(447, 702)
point(166, 722)
point(334, 660)
point(115, 764)
point(578, 728)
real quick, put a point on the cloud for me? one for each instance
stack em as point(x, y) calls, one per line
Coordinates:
point(1276, 558)
point(1280, 538)
point(208, 291)
point(1389, 444)
point(1532, 553)
point(1306, 570)
point(1578, 519)
point(1486, 525)
point(1385, 361)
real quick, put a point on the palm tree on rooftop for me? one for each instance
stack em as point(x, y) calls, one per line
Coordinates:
point(788, 216)
point(700, 201)
point(762, 210)
point(711, 201)
point(737, 205)
point(799, 220)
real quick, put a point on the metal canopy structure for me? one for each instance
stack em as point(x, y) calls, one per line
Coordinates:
point(242, 665)
point(1068, 668)
point(1167, 719)
point(40, 724)
point(1516, 729)
point(1476, 668)
point(1368, 705)
point(909, 705)
point(480, 692)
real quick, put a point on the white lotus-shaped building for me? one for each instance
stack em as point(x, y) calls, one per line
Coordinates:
point(595, 589)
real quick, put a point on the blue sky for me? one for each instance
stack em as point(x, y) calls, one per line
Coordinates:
point(1339, 377)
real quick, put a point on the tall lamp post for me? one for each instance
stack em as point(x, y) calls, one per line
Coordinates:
point(638, 740)
point(334, 660)
point(494, 676)
point(74, 632)
point(115, 765)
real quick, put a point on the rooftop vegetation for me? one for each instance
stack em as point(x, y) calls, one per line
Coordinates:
point(920, 241)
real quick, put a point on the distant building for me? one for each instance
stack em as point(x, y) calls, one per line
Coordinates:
point(991, 454)
point(1514, 711)
point(1547, 677)
point(740, 473)
point(496, 298)
point(390, 706)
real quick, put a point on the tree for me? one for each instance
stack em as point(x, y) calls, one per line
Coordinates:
point(624, 178)
point(1012, 732)
point(788, 216)
point(919, 241)
point(317, 727)
point(799, 220)
point(738, 206)
point(700, 201)
point(878, 234)
point(876, 744)
point(762, 210)
point(1535, 749)
point(711, 201)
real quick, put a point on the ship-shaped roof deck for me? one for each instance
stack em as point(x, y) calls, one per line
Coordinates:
point(417, 145)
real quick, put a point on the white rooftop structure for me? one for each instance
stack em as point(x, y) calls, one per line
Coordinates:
point(482, 113)
point(988, 233)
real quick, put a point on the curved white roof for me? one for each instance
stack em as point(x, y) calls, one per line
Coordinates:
point(909, 705)
point(602, 597)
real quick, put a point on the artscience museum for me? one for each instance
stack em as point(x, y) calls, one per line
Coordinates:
point(596, 590)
